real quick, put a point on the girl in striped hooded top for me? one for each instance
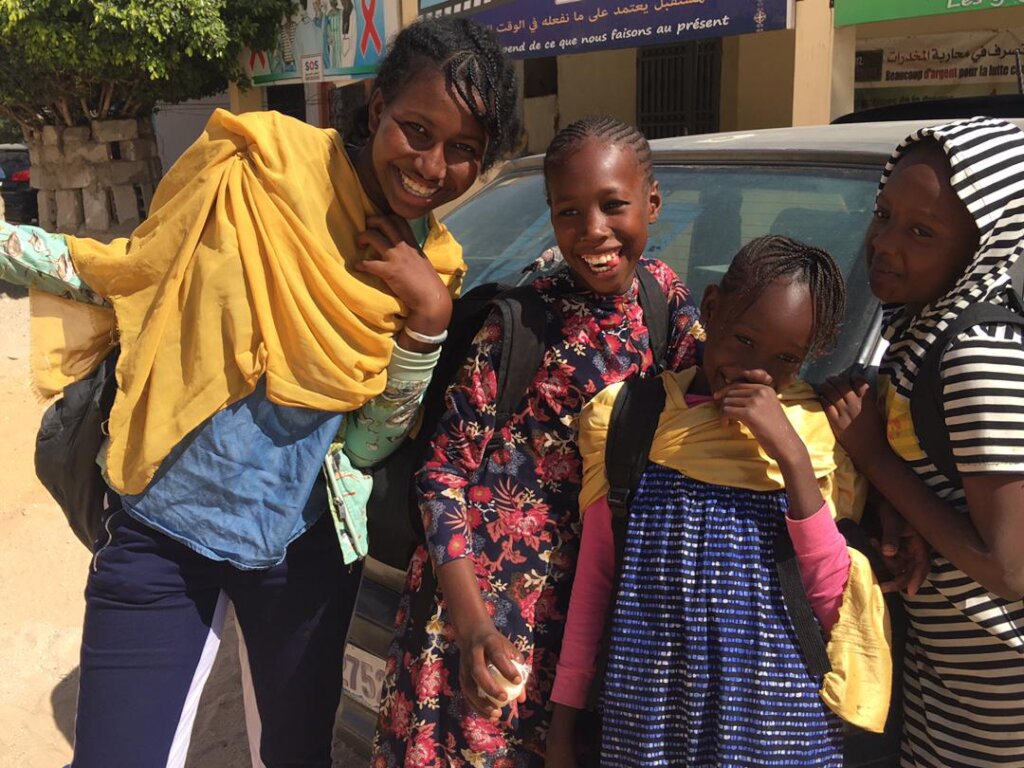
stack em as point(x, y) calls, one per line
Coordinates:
point(949, 220)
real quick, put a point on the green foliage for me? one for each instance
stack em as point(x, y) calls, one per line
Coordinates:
point(10, 132)
point(68, 61)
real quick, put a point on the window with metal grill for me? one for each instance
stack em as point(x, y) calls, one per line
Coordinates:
point(678, 88)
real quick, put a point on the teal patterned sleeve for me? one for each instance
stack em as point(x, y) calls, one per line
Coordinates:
point(374, 431)
point(38, 259)
point(367, 437)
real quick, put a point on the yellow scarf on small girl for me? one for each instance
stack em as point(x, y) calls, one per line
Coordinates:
point(693, 441)
point(244, 268)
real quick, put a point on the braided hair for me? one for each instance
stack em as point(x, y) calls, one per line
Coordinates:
point(603, 128)
point(766, 259)
point(474, 66)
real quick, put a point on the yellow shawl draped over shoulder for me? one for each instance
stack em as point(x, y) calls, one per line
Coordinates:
point(244, 268)
point(692, 441)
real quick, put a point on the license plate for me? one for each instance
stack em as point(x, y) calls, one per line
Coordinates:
point(364, 676)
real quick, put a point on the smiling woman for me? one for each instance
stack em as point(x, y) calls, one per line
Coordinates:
point(305, 301)
point(428, 146)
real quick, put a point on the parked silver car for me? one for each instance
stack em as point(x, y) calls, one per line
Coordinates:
point(816, 184)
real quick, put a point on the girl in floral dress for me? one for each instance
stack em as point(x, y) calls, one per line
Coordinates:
point(500, 503)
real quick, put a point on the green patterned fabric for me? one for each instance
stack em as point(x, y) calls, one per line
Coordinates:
point(369, 436)
point(40, 260)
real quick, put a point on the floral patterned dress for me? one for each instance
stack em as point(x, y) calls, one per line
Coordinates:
point(511, 504)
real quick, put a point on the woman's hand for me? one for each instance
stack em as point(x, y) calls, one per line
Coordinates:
point(408, 274)
point(486, 645)
point(852, 411)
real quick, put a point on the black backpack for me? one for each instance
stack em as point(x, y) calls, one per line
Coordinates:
point(631, 429)
point(67, 444)
point(926, 397)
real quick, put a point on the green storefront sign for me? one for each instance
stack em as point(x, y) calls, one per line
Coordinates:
point(865, 11)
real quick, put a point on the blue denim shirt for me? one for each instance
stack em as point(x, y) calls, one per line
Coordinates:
point(244, 484)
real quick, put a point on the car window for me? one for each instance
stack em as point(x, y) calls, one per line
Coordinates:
point(503, 229)
point(708, 212)
point(12, 161)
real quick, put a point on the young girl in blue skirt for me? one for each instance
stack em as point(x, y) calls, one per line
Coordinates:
point(704, 668)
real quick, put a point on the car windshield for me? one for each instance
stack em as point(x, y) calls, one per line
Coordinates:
point(708, 212)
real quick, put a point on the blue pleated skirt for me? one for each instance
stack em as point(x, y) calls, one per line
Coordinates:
point(704, 668)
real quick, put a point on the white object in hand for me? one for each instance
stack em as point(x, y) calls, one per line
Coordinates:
point(512, 690)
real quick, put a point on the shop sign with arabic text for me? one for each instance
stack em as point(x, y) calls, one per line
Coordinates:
point(865, 11)
point(896, 70)
point(530, 28)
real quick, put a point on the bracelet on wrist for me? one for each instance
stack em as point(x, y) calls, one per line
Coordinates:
point(425, 338)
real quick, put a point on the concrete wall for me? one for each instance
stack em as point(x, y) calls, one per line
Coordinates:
point(94, 179)
point(540, 116)
point(601, 82)
point(757, 80)
point(178, 125)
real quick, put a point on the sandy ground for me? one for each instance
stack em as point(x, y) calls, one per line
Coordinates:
point(41, 582)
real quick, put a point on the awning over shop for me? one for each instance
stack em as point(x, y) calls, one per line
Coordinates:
point(849, 12)
point(327, 40)
point(530, 28)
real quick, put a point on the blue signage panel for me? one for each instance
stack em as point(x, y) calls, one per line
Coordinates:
point(550, 27)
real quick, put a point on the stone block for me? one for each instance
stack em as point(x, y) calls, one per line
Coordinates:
point(75, 175)
point(118, 172)
point(51, 135)
point(78, 134)
point(115, 130)
point(47, 209)
point(96, 208)
point(51, 155)
point(126, 204)
point(93, 152)
point(69, 210)
point(45, 177)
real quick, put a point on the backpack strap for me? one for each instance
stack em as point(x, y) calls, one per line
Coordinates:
point(926, 409)
point(522, 349)
point(522, 352)
point(634, 420)
point(798, 607)
point(654, 304)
